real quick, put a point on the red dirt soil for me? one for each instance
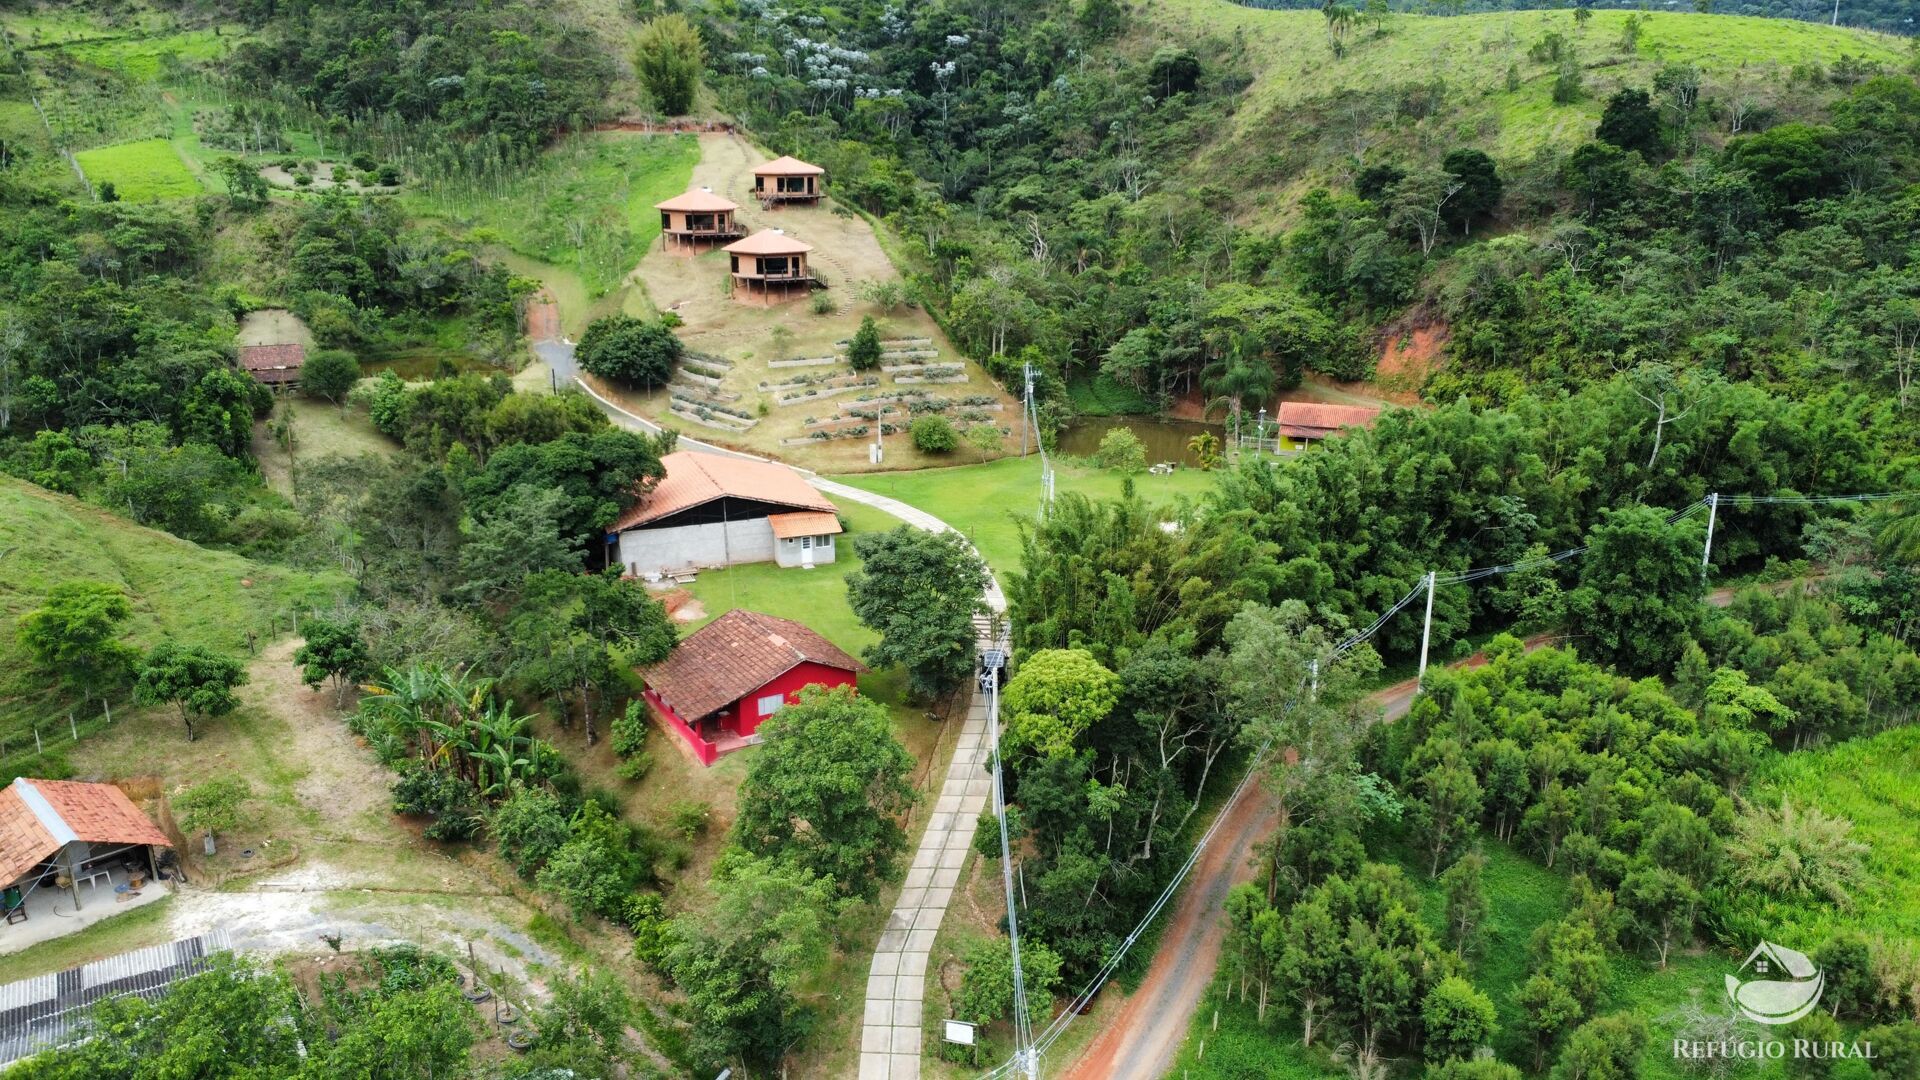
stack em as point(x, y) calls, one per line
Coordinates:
point(1139, 1042)
point(543, 317)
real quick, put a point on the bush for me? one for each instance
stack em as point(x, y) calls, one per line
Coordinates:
point(934, 434)
point(449, 801)
point(638, 352)
point(646, 917)
point(389, 175)
point(1122, 450)
point(822, 304)
point(635, 767)
point(689, 817)
point(528, 827)
point(596, 869)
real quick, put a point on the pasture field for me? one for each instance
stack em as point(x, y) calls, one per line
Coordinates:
point(141, 171)
point(1429, 83)
point(177, 589)
point(587, 206)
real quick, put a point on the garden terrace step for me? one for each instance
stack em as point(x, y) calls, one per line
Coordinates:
point(684, 377)
point(719, 421)
point(932, 379)
point(699, 401)
point(806, 361)
point(817, 393)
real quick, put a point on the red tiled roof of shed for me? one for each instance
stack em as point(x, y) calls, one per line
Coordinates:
point(39, 817)
point(259, 358)
point(733, 656)
point(1314, 419)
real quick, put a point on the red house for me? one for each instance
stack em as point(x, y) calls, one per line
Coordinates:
point(717, 687)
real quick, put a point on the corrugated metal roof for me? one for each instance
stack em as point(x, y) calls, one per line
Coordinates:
point(805, 523)
point(50, 1010)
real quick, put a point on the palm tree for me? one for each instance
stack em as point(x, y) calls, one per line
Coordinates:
point(1205, 447)
point(1238, 375)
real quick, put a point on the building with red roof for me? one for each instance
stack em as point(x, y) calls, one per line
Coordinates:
point(787, 179)
point(719, 685)
point(1306, 421)
point(712, 510)
point(274, 365)
point(60, 836)
point(698, 215)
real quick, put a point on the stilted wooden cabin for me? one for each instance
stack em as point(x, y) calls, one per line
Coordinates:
point(697, 216)
point(766, 261)
point(788, 179)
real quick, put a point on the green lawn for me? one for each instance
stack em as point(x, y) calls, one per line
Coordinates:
point(988, 501)
point(587, 205)
point(140, 171)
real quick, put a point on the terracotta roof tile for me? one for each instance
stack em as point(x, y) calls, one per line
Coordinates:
point(733, 656)
point(804, 523)
point(39, 817)
point(258, 358)
point(700, 199)
point(694, 478)
point(788, 166)
point(1313, 419)
point(769, 242)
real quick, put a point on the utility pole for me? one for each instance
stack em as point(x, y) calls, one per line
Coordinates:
point(1426, 633)
point(1713, 507)
point(1836, 12)
point(1026, 407)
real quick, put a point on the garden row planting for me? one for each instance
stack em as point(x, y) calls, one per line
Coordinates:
point(805, 361)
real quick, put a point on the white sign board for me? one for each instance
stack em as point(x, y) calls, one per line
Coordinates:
point(960, 1032)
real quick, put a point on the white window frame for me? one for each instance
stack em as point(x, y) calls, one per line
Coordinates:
point(770, 704)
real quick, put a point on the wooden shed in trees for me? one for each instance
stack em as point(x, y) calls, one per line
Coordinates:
point(697, 216)
point(788, 179)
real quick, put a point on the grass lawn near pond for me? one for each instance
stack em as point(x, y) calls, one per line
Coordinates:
point(987, 501)
point(142, 171)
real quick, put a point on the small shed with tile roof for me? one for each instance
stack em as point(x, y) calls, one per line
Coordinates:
point(1304, 421)
point(55, 829)
point(719, 685)
point(274, 365)
point(712, 510)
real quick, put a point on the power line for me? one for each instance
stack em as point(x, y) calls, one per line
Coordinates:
point(1031, 1048)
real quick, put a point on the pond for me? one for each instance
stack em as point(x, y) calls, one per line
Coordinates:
point(419, 362)
point(1165, 440)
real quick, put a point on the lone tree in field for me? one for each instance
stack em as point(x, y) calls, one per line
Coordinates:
point(333, 650)
point(638, 352)
point(197, 681)
point(212, 807)
point(668, 60)
point(76, 633)
point(920, 590)
point(863, 352)
point(330, 374)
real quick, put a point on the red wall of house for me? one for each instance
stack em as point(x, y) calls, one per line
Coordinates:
point(745, 712)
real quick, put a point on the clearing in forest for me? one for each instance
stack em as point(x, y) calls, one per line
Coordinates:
point(774, 378)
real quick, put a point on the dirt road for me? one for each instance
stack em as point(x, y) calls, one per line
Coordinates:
point(1141, 1040)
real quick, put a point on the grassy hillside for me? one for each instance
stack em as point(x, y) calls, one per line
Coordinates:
point(177, 589)
point(1430, 83)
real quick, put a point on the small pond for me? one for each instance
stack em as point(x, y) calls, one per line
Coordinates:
point(1165, 440)
point(425, 362)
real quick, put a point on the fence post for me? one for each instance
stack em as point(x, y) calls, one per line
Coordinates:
point(72, 727)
